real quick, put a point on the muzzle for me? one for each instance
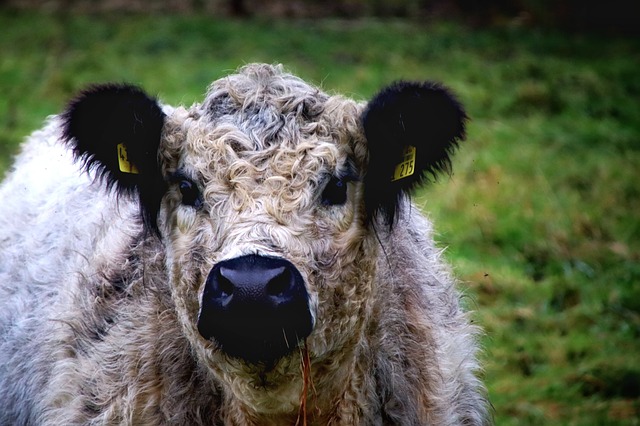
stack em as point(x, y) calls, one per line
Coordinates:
point(256, 308)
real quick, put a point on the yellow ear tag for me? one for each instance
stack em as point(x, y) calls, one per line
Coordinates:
point(408, 165)
point(123, 161)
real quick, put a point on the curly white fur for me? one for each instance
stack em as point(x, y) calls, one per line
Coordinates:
point(98, 319)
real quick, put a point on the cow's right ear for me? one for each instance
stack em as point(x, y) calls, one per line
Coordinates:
point(115, 130)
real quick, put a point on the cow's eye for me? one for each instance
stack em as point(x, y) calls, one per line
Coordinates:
point(190, 193)
point(335, 193)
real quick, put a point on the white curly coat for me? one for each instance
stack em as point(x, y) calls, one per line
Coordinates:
point(97, 317)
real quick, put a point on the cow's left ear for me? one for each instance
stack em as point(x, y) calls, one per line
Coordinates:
point(411, 131)
point(115, 130)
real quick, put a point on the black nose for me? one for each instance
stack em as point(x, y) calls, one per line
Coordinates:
point(256, 308)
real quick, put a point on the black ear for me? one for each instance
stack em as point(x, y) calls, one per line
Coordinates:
point(115, 130)
point(411, 131)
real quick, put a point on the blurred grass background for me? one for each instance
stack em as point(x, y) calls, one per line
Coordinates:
point(541, 217)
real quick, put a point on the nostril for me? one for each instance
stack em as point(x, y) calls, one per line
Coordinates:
point(280, 284)
point(225, 286)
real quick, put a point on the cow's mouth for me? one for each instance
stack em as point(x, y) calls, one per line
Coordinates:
point(256, 308)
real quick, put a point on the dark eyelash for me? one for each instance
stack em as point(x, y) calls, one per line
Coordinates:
point(188, 188)
point(335, 191)
point(190, 194)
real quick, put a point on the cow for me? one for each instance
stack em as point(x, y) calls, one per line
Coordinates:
point(253, 259)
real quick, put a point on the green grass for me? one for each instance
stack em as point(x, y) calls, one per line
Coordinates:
point(541, 218)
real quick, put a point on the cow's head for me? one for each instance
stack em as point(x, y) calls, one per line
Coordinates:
point(266, 196)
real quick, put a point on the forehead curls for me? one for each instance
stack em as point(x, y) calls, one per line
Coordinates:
point(274, 107)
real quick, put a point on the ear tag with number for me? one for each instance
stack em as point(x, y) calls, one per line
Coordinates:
point(408, 165)
point(123, 161)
